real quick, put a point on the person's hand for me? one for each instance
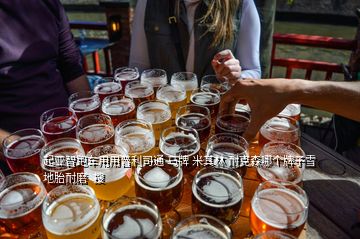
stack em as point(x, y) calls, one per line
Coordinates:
point(226, 66)
point(266, 99)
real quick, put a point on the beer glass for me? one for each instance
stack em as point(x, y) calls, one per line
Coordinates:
point(157, 113)
point(119, 108)
point(211, 82)
point(22, 150)
point(292, 111)
point(84, 103)
point(187, 79)
point(115, 182)
point(94, 130)
point(201, 226)
point(2, 180)
point(139, 92)
point(231, 123)
point(131, 218)
point(195, 117)
point(176, 143)
point(174, 95)
point(60, 157)
point(154, 77)
point(217, 192)
point(280, 128)
point(108, 86)
point(58, 123)
point(20, 206)
point(243, 110)
point(279, 168)
point(138, 135)
point(71, 212)
point(124, 75)
point(228, 150)
point(209, 98)
point(274, 235)
point(280, 206)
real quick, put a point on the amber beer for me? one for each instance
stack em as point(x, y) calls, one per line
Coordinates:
point(174, 95)
point(124, 75)
point(58, 123)
point(188, 80)
point(207, 98)
point(161, 185)
point(94, 130)
point(211, 82)
point(217, 192)
point(292, 111)
point(281, 129)
point(20, 206)
point(22, 150)
point(278, 169)
point(116, 182)
point(139, 92)
point(154, 77)
point(201, 226)
point(157, 113)
point(107, 87)
point(231, 123)
point(119, 108)
point(71, 212)
point(131, 218)
point(84, 103)
point(227, 150)
point(280, 206)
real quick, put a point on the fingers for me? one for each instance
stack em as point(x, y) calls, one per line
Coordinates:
point(228, 102)
point(223, 56)
point(257, 120)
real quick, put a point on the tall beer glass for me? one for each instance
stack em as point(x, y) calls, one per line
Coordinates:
point(20, 206)
point(211, 82)
point(84, 103)
point(108, 86)
point(209, 98)
point(231, 123)
point(187, 79)
point(119, 108)
point(174, 95)
point(281, 206)
point(71, 212)
point(154, 77)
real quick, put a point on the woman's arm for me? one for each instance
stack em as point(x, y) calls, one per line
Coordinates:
point(139, 55)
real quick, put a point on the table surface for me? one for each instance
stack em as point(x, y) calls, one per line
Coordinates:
point(333, 188)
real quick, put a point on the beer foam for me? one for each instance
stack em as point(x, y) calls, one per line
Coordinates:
point(279, 129)
point(96, 133)
point(133, 228)
point(111, 174)
point(107, 87)
point(291, 110)
point(154, 116)
point(290, 174)
point(205, 99)
point(200, 231)
point(158, 180)
point(188, 85)
point(155, 81)
point(171, 95)
point(70, 214)
point(24, 147)
point(221, 156)
point(221, 188)
point(279, 208)
point(138, 139)
point(178, 149)
point(85, 104)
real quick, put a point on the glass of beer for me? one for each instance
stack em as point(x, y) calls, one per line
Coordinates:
point(154, 77)
point(22, 150)
point(280, 206)
point(174, 95)
point(201, 226)
point(84, 103)
point(243, 109)
point(138, 135)
point(58, 123)
point(60, 157)
point(124, 75)
point(71, 212)
point(131, 218)
point(195, 117)
point(292, 111)
point(217, 192)
point(177, 143)
point(284, 162)
point(281, 129)
point(139, 92)
point(115, 182)
point(228, 150)
point(20, 206)
point(211, 82)
point(188, 80)
point(108, 86)
point(231, 123)
point(94, 130)
point(209, 98)
point(274, 235)
point(119, 108)
point(157, 113)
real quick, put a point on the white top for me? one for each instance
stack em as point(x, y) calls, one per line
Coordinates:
point(247, 50)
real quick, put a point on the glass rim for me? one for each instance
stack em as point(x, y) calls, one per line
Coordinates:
point(82, 94)
point(128, 122)
point(162, 71)
point(88, 116)
point(291, 120)
point(199, 91)
point(197, 217)
point(292, 145)
point(187, 73)
point(136, 201)
point(179, 175)
point(107, 102)
point(277, 184)
point(122, 68)
point(149, 89)
point(175, 87)
point(230, 135)
point(72, 116)
point(190, 106)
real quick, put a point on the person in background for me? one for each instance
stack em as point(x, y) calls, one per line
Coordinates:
point(205, 37)
point(40, 65)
